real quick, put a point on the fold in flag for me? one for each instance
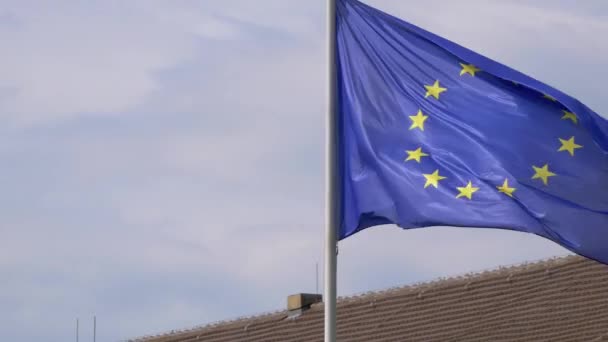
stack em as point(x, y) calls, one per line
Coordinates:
point(433, 134)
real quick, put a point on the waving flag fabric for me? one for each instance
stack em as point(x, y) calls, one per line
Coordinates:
point(433, 134)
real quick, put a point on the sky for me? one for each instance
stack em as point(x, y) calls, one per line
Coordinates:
point(161, 162)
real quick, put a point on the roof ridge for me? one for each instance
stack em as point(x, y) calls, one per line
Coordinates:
point(501, 269)
point(210, 325)
point(551, 261)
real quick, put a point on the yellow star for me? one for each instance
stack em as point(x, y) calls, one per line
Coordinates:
point(415, 155)
point(505, 189)
point(432, 179)
point(542, 173)
point(570, 116)
point(467, 191)
point(569, 145)
point(434, 90)
point(418, 120)
point(549, 97)
point(468, 69)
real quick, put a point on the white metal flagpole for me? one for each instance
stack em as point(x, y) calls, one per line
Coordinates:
point(331, 181)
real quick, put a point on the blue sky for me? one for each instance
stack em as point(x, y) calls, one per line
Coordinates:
point(161, 162)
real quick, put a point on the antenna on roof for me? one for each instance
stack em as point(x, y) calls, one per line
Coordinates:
point(317, 277)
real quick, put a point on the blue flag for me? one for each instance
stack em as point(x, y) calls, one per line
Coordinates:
point(433, 134)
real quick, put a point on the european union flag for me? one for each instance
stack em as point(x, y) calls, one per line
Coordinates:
point(432, 134)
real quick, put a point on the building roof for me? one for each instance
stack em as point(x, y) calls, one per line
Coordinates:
point(563, 299)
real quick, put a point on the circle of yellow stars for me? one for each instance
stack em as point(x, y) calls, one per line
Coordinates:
point(541, 173)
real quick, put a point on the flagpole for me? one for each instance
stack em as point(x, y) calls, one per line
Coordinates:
point(331, 193)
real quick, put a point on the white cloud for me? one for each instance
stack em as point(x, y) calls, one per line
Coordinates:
point(71, 60)
point(289, 16)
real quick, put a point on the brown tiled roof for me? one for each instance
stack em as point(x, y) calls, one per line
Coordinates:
point(564, 299)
